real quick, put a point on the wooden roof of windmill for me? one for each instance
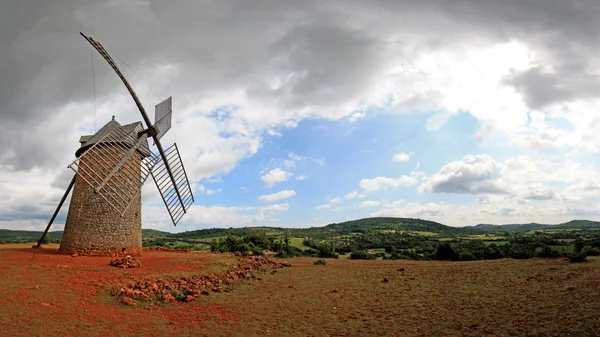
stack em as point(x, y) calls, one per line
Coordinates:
point(89, 140)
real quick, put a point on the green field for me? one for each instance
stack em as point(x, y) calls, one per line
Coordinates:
point(297, 242)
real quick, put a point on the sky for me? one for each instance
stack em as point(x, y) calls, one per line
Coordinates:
point(305, 113)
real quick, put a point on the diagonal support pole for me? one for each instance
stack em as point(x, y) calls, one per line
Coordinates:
point(56, 211)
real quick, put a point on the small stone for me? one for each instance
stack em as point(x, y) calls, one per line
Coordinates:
point(168, 298)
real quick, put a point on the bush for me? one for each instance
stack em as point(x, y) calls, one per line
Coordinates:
point(444, 251)
point(257, 251)
point(360, 255)
point(466, 255)
point(320, 262)
point(327, 251)
point(590, 251)
point(545, 251)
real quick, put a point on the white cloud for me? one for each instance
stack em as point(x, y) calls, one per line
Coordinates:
point(324, 206)
point(351, 195)
point(300, 177)
point(329, 205)
point(401, 157)
point(369, 203)
point(211, 192)
point(293, 159)
point(274, 133)
point(319, 161)
point(277, 196)
point(275, 176)
point(401, 208)
point(378, 183)
point(473, 174)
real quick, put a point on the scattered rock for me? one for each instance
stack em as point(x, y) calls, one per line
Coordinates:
point(187, 288)
point(291, 286)
point(125, 262)
point(128, 301)
point(335, 290)
point(385, 279)
point(400, 269)
point(286, 264)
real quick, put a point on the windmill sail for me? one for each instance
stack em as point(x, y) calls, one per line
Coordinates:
point(163, 112)
point(109, 166)
point(168, 191)
point(178, 200)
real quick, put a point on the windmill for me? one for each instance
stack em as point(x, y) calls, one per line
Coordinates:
point(110, 168)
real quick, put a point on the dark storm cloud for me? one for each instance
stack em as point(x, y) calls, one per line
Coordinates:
point(331, 51)
point(541, 88)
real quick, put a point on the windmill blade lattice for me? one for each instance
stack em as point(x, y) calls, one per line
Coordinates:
point(163, 112)
point(165, 185)
point(110, 168)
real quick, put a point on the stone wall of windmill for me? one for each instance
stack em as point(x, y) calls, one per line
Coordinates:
point(93, 226)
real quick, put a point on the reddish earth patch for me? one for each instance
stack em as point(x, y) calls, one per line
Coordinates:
point(43, 292)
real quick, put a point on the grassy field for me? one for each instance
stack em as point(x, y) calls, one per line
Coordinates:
point(496, 242)
point(44, 293)
point(298, 242)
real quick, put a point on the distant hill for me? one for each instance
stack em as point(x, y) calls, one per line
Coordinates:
point(19, 234)
point(534, 226)
point(363, 226)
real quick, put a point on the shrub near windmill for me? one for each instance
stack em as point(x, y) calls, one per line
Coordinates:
point(110, 168)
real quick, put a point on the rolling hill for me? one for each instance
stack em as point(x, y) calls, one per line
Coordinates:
point(359, 226)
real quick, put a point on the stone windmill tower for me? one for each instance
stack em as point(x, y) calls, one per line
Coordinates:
point(110, 168)
point(92, 224)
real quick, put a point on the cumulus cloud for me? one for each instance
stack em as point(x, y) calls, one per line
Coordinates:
point(401, 157)
point(378, 183)
point(285, 194)
point(351, 195)
point(474, 174)
point(275, 176)
point(211, 191)
point(401, 208)
point(329, 205)
point(369, 203)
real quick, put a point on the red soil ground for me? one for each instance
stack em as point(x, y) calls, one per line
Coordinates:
point(42, 293)
point(44, 290)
